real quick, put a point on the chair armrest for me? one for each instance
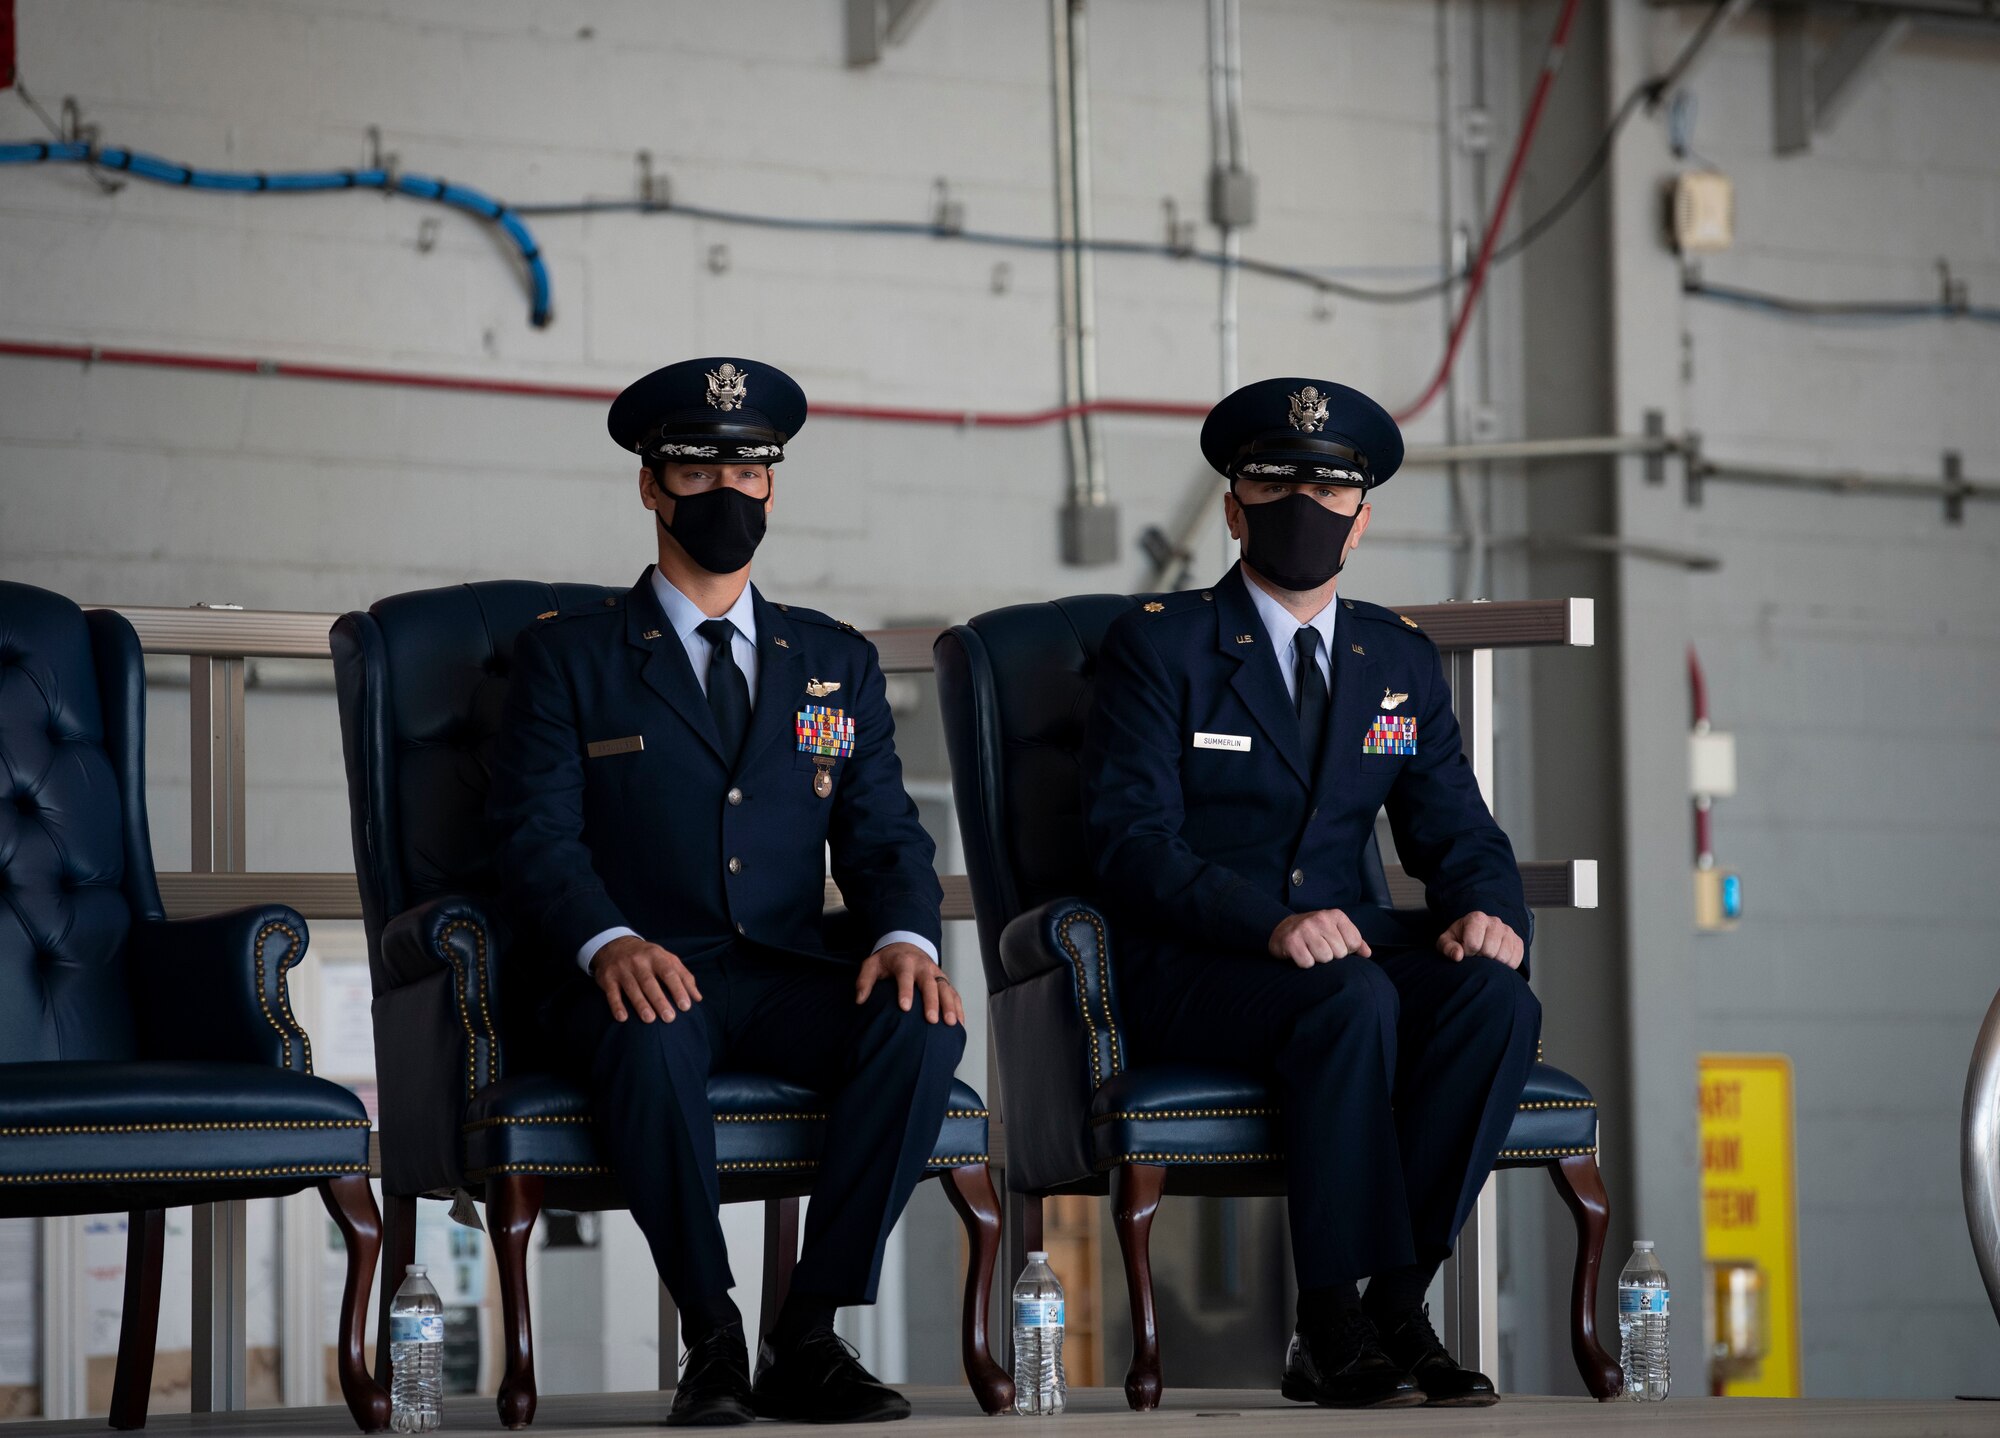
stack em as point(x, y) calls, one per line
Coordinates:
point(453, 936)
point(212, 988)
point(1056, 1032)
point(437, 1037)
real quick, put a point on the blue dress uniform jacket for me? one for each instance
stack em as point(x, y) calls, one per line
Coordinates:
point(659, 834)
point(617, 809)
point(1397, 1074)
point(1207, 849)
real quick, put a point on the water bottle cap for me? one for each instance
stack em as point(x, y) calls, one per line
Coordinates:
point(1643, 1244)
point(1035, 1254)
point(415, 1270)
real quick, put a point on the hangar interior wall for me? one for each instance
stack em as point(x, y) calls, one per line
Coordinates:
point(1852, 644)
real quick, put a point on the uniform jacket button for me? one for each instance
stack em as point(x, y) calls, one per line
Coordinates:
point(1298, 876)
point(735, 866)
point(736, 796)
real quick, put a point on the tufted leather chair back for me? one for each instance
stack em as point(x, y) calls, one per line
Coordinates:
point(76, 861)
point(420, 679)
point(1015, 685)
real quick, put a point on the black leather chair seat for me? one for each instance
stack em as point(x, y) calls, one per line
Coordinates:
point(538, 1123)
point(121, 1131)
point(1187, 1114)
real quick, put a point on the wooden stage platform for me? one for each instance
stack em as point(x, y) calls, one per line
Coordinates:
point(1102, 1411)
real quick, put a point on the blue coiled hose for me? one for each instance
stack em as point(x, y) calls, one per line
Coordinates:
point(418, 187)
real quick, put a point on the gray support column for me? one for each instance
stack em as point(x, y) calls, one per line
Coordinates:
point(216, 810)
point(1573, 732)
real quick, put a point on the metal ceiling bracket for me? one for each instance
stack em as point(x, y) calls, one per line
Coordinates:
point(874, 25)
point(1807, 94)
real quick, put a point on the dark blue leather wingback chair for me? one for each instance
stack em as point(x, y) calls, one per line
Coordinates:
point(462, 1107)
point(145, 1063)
point(1015, 686)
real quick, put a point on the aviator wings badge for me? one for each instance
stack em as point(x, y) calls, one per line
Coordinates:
point(820, 688)
point(728, 387)
point(1390, 699)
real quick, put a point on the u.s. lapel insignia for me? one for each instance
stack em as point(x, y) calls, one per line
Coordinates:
point(650, 634)
point(820, 688)
point(781, 642)
point(1390, 699)
point(1357, 649)
point(548, 614)
point(1246, 639)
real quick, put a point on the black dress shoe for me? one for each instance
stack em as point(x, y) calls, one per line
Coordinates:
point(1341, 1365)
point(714, 1390)
point(1414, 1347)
point(819, 1379)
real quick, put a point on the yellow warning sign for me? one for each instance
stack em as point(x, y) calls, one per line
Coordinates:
point(1749, 1225)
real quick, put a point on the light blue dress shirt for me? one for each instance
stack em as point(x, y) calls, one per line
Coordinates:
point(1283, 630)
point(686, 617)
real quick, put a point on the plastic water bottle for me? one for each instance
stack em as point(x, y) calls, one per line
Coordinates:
point(1039, 1386)
point(1642, 1326)
point(416, 1355)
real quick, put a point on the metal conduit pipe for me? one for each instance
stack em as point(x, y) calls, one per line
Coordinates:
point(1228, 168)
point(1089, 520)
point(1979, 1152)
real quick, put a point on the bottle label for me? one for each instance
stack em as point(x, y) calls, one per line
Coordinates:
point(1038, 1313)
point(416, 1328)
point(1635, 1302)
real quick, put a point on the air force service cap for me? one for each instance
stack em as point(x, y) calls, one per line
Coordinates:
point(722, 409)
point(1302, 431)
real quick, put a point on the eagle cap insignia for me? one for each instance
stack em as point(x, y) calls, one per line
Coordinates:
point(729, 387)
point(1153, 606)
point(1309, 410)
point(820, 688)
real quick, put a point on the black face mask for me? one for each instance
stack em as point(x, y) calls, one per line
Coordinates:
point(719, 528)
point(1296, 542)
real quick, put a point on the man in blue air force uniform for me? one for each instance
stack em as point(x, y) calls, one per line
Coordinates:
point(1242, 742)
point(673, 768)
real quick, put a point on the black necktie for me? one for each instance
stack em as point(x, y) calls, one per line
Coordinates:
point(728, 689)
point(1312, 697)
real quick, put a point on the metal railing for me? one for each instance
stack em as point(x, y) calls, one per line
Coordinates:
point(219, 640)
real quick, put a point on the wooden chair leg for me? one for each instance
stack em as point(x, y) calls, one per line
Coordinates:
point(970, 1190)
point(781, 1256)
point(1135, 1195)
point(139, 1324)
point(513, 1201)
point(1582, 1188)
point(352, 1204)
point(399, 1251)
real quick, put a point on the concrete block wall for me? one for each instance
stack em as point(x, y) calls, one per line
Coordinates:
point(1853, 647)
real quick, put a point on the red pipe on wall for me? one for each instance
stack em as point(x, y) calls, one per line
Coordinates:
point(537, 389)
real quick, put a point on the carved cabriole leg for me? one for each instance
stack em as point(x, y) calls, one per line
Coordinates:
point(970, 1190)
point(781, 1256)
point(139, 1325)
point(399, 1251)
point(1135, 1195)
point(513, 1202)
point(1582, 1189)
point(352, 1204)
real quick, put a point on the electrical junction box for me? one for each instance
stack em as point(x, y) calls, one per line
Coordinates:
point(1703, 212)
point(1711, 764)
point(1718, 899)
point(1232, 198)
